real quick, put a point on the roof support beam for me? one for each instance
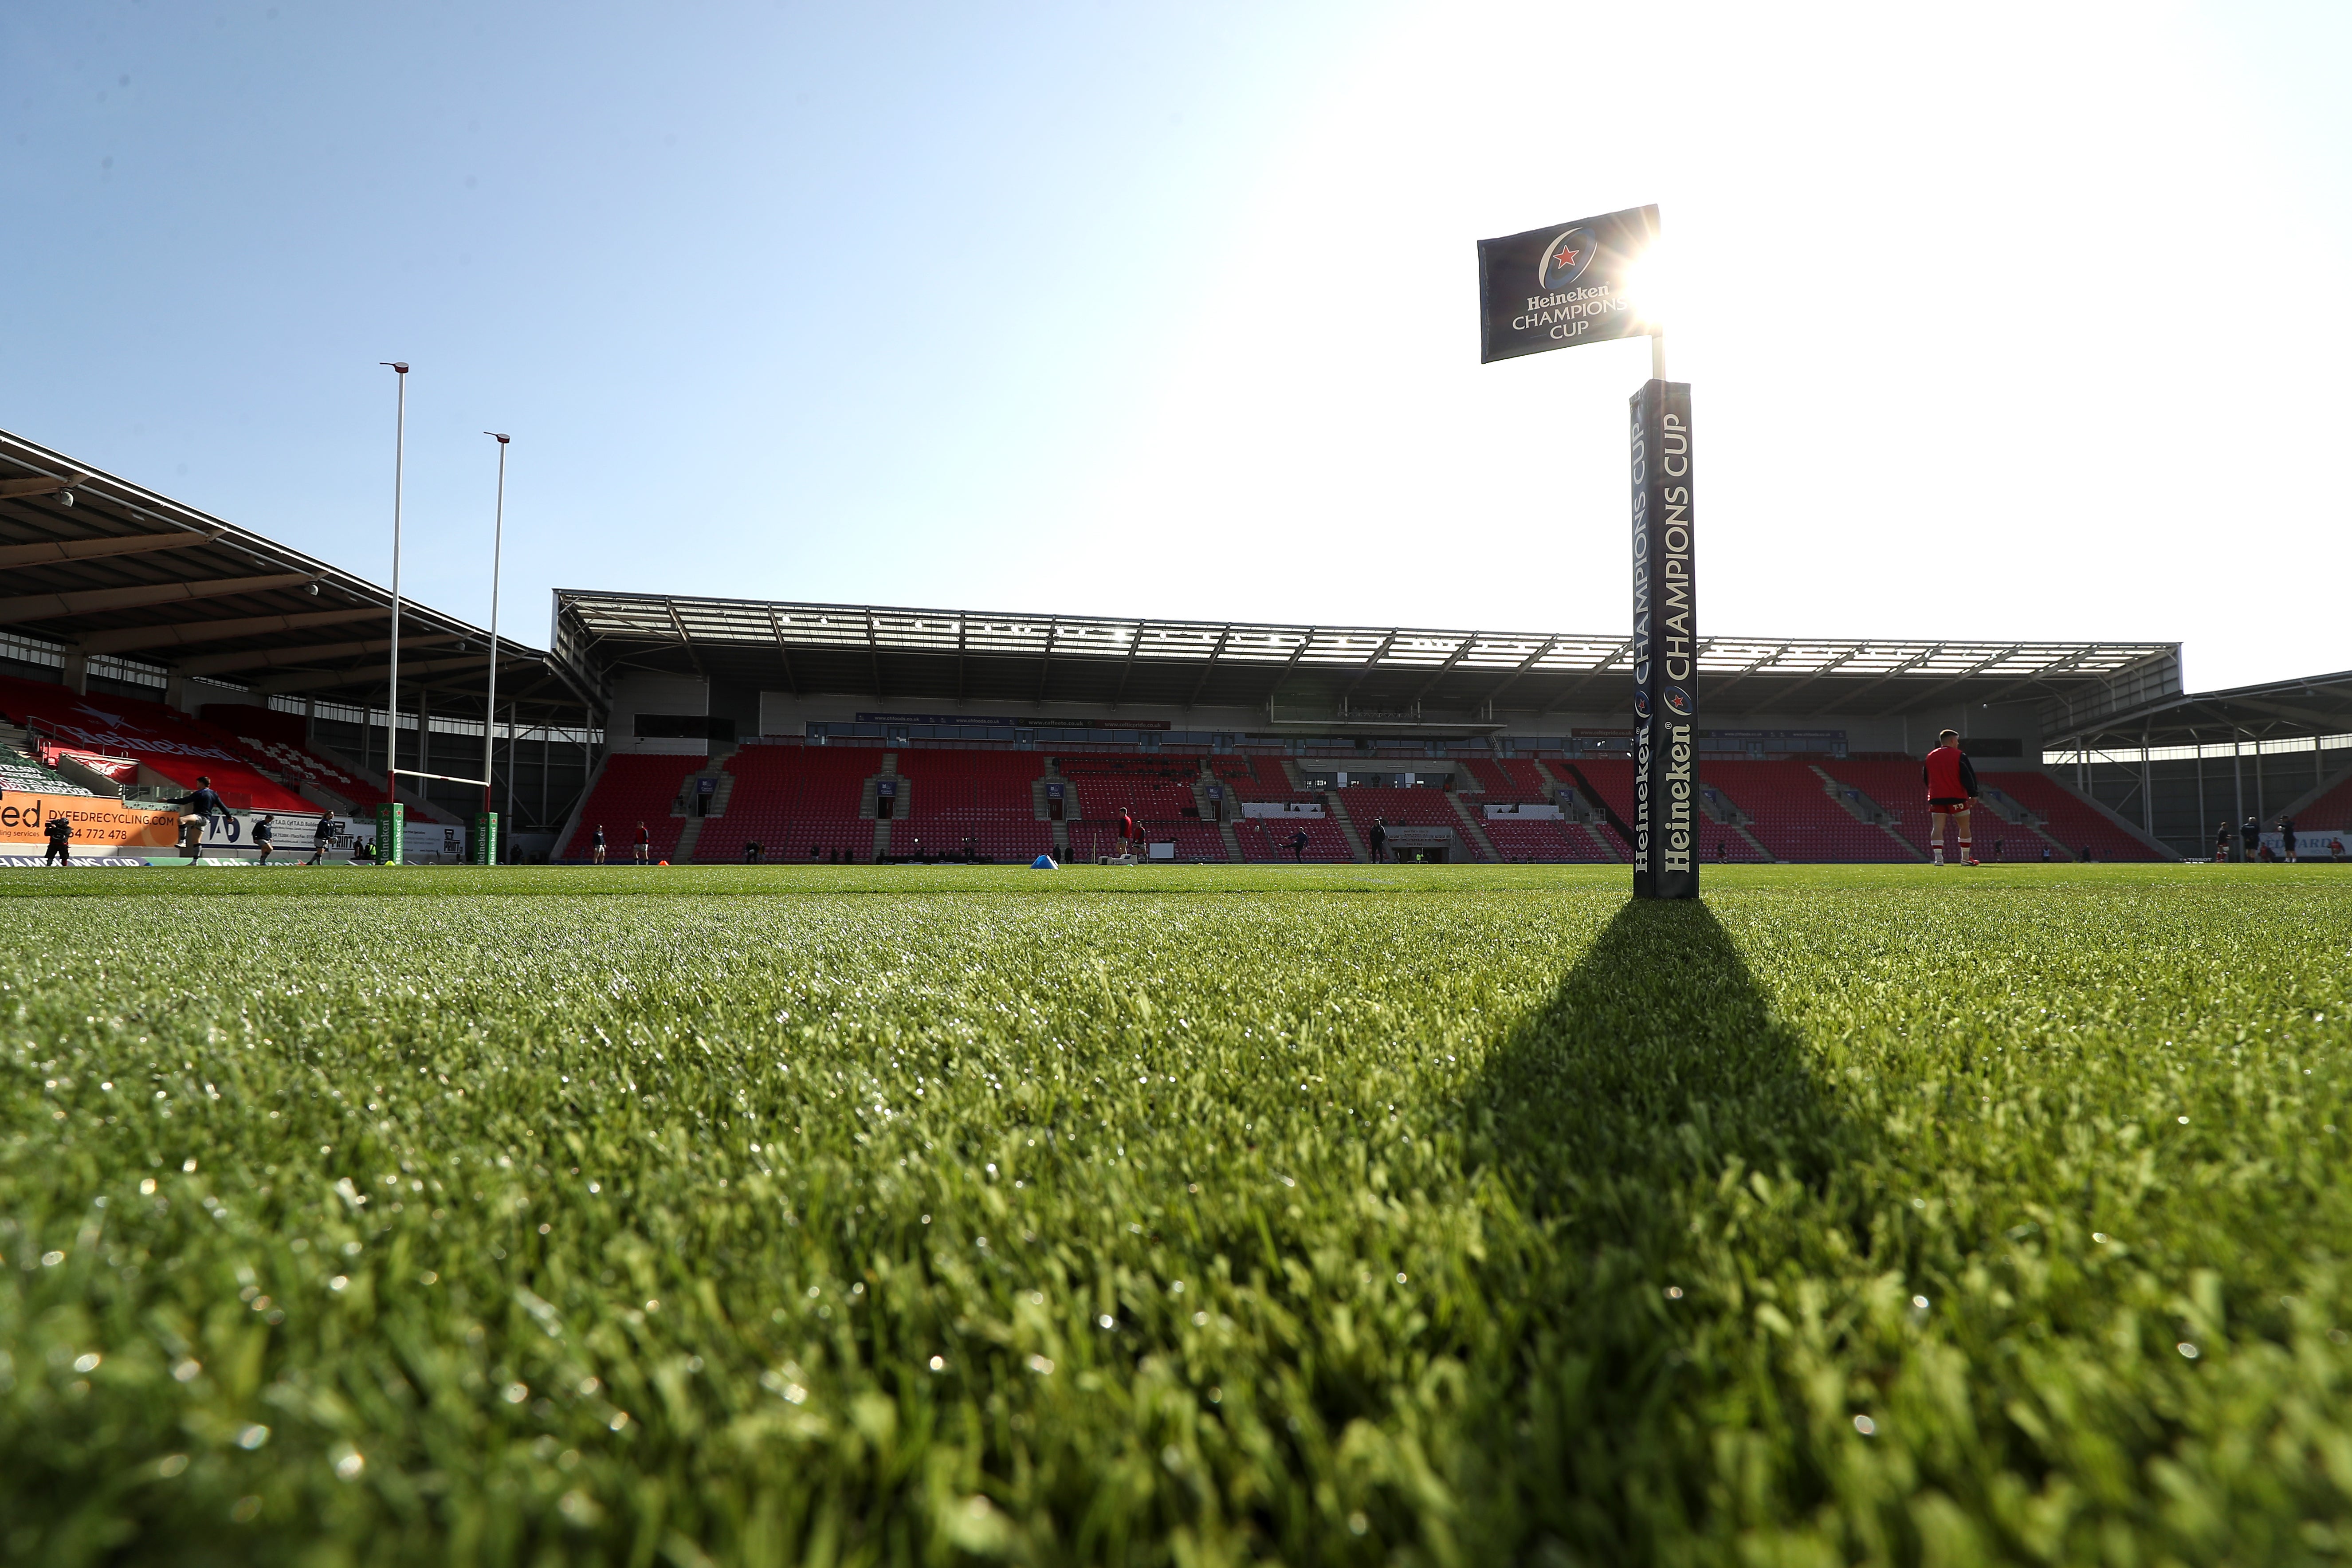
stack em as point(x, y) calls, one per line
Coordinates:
point(1440, 673)
point(1845, 704)
point(296, 657)
point(784, 651)
point(1926, 697)
point(1209, 669)
point(312, 680)
point(1525, 664)
point(49, 550)
point(1831, 667)
point(685, 641)
point(1370, 664)
point(1584, 680)
point(1134, 646)
point(47, 607)
point(178, 633)
point(38, 485)
point(1044, 661)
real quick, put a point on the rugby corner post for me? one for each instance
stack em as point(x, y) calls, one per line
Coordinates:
point(1664, 647)
point(1570, 284)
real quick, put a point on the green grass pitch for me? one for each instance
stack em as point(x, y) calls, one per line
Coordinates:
point(1329, 1215)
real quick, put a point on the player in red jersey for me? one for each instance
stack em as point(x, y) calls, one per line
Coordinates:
point(1951, 781)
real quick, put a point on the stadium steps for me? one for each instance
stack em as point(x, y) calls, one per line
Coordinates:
point(1592, 796)
point(1587, 800)
point(2013, 812)
point(1210, 817)
point(22, 770)
point(869, 803)
point(2117, 820)
point(1473, 832)
point(723, 788)
point(1860, 805)
point(1337, 809)
point(1060, 830)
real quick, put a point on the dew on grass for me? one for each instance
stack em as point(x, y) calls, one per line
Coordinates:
point(1865, 1425)
point(252, 1436)
point(2187, 1349)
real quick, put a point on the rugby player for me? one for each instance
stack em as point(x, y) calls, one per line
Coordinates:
point(1951, 781)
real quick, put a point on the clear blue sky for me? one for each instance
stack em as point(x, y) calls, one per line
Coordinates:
point(2004, 323)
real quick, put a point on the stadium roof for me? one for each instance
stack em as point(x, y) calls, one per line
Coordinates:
point(102, 566)
point(2307, 705)
point(1461, 679)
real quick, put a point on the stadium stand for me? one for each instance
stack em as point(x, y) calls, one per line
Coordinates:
point(2331, 811)
point(1406, 808)
point(2067, 818)
point(1155, 790)
point(1507, 778)
point(1542, 839)
point(25, 776)
point(1258, 778)
point(1159, 791)
point(792, 799)
point(1091, 839)
point(274, 741)
point(1796, 817)
point(1400, 807)
point(631, 790)
point(1267, 838)
point(162, 740)
point(1611, 780)
point(987, 797)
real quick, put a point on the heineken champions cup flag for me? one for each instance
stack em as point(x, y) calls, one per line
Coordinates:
point(1555, 287)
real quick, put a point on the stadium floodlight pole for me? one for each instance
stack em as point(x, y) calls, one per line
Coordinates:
point(392, 686)
point(498, 546)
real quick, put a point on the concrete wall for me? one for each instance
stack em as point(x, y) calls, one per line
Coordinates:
point(633, 694)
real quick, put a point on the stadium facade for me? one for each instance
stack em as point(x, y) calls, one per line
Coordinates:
point(140, 639)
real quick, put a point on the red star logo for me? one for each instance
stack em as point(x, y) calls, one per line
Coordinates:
point(1563, 260)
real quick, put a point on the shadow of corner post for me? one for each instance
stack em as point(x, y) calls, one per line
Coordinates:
point(1612, 1116)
